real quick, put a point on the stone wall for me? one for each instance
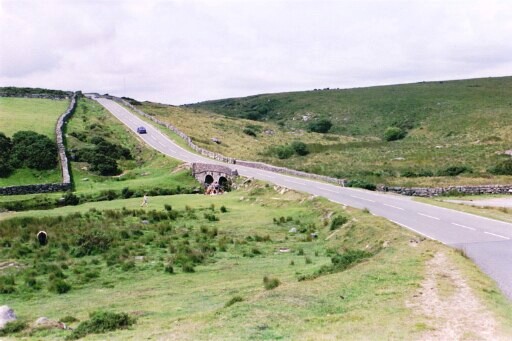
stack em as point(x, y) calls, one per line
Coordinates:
point(31, 189)
point(64, 164)
point(437, 191)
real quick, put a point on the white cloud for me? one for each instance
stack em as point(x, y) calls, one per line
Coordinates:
point(187, 51)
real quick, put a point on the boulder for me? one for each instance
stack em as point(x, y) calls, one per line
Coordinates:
point(46, 323)
point(6, 315)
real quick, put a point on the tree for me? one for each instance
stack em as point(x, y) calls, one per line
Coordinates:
point(300, 148)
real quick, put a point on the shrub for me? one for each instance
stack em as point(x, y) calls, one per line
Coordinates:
point(249, 131)
point(13, 327)
point(338, 221)
point(270, 282)
point(361, 184)
point(168, 207)
point(321, 126)
point(233, 300)
point(127, 193)
point(223, 209)
point(502, 168)
point(394, 134)
point(90, 242)
point(454, 171)
point(68, 319)
point(59, 286)
point(5, 154)
point(33, 150)
point(70, 199)
point(101, 322)
point(282, 152)
point(188, 267)
point(300, 148)
point(169, 269)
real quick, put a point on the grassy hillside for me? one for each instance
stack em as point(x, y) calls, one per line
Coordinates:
point(219, 259)
point(463, 125)
point(39, 115)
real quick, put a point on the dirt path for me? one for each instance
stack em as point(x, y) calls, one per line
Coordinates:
point(451, 309)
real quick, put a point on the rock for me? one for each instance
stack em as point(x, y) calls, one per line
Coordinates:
point(139, 258)
point(293, 230)
point(216, 140)
point(145, 222)
point(399, 159)
point(6, 315)
point(508, 152)
point(46, 323)
point(314, 235)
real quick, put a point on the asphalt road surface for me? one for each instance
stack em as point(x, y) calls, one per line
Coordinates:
point(486, 241)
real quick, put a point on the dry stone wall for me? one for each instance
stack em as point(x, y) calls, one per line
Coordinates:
point(64, 164)
point(437, 191)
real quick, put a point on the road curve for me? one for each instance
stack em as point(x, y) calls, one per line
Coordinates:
point(486, 241)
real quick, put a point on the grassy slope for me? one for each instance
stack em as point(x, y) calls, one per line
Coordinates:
point(191, 306)
point(451, 123)
point(39, 115)
point(149, 169)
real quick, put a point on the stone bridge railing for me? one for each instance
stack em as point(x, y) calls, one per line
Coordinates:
point(64, 164)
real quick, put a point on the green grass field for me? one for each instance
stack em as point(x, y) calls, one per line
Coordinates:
point(39, 115)
point(366, 301)
point(465, 123)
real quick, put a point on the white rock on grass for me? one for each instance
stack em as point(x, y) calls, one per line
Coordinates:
point(6, 315)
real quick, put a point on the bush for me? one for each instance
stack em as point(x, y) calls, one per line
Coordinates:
point(321, 126)
point(71, 199)
point(502, 168)
point(361, 184)
point(101, 322)
point(90, 242)
point(59, 286)
point(249, 131)
point(13, 327)
point(394, 134)
point(233, 300)
point(68, 319)
point(338, 221)
point(454, 171)
point(188, 267)
point(33, 150)
point(300, 148)
point(5, 154)
point(169, 268)
point(223, 209)
point(270, 283)
point(282, 152)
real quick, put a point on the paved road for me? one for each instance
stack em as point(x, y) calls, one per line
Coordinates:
point(488, 242)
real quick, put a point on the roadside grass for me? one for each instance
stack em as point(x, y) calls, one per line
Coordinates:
point(464, 123)
point(39, 115)
point(499, 213)
point(366, 301)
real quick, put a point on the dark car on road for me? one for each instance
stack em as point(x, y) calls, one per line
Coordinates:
point(141, 130)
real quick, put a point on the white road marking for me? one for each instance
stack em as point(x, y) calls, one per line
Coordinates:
point(355, 196)
point(410, 228)
point(398, 208)
point(497, 235)
point(329, 190)
point(463, 226)
point(295, 182)
point(429, 216)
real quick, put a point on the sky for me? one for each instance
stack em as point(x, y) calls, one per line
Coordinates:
point(186, 51)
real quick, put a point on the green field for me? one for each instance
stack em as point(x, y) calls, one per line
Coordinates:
point(366, 301)
point(466, 124)
point(39, 115)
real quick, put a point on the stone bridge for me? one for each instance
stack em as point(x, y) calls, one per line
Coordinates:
point(207, 174)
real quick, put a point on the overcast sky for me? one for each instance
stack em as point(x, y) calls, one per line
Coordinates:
point(188, 51)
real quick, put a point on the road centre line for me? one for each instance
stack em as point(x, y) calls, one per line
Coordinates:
point(296, 182)
point(398, 208)
point(463, 226)
point(410, 228)
point(497, 235)
point(428, 216)
point(355, 196)
point(330, 190)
